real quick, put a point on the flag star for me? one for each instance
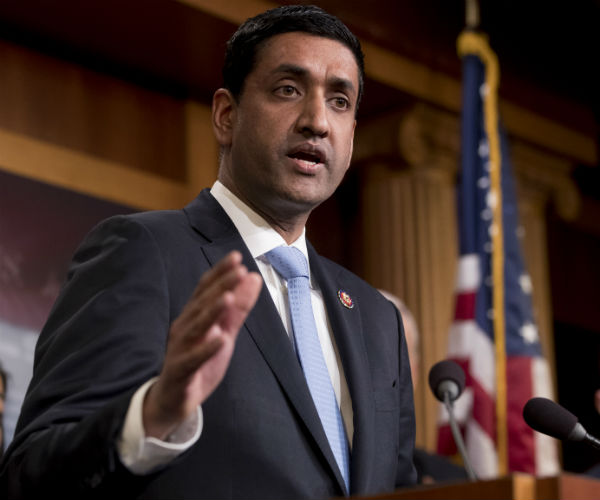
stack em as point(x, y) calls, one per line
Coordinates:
point(484, 148)
point(483, 90)
point(491, 199)
point(483, 182)
point(490, 314)
point(529, 333)
point(486, 214)
point(525, 283)
point(520, 231)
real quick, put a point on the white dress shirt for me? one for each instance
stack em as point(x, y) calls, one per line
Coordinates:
point(142, 454)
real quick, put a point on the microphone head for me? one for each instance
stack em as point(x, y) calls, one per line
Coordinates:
point(446, 376)
point(548, 417)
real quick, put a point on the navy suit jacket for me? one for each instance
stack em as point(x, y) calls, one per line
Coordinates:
point(262, 437)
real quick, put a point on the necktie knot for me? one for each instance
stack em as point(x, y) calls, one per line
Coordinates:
point(289, 262)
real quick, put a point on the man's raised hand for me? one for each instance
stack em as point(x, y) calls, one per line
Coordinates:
point(200, 345)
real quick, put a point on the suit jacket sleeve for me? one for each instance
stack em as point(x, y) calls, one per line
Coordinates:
point(406, 474)
point(105, 336)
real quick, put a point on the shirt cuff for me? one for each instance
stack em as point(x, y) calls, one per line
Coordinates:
point(141, 454)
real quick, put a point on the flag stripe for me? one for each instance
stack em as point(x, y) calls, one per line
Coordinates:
point(465, 306)
point(468, 341)
point(546, 452)
point(521, 442)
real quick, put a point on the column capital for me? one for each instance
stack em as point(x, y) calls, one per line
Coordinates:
point(426, 140)
point(544, 178)
point(418, 137)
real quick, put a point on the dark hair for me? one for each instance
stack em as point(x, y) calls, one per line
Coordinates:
point(243, 46)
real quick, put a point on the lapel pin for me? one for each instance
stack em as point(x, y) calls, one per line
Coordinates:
point(345, 299)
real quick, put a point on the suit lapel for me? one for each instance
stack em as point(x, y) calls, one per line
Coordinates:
point(263, 323)
point(346, 325)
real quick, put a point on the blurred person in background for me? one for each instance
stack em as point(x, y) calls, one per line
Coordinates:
point(430, 467)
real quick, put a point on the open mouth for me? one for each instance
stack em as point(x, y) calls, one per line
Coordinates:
point(307, 159)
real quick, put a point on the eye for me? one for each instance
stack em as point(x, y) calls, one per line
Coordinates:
point(341, 103)
point(286, 90)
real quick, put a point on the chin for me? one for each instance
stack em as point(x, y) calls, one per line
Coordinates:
point(301, 201)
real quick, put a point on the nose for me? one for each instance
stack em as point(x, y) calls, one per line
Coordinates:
point(313, 120)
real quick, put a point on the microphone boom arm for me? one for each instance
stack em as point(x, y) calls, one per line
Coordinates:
point(460, 444)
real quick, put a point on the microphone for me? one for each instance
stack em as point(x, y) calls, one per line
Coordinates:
point(447, 377)
point(548, 417)
point(447, 381)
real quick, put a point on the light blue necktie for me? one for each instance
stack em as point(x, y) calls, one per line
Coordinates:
point(291, 264)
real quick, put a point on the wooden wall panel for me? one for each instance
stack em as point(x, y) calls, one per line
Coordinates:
point(96, 134)
point(65, 104)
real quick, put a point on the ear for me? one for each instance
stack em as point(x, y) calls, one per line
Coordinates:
point(223, 116)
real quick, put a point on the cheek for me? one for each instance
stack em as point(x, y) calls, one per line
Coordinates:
point(345, 131)
point(248, 140)
point(263, 137)
point(347, 147)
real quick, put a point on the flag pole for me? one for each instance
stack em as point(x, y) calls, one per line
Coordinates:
point(491, 124)
point(470, 42)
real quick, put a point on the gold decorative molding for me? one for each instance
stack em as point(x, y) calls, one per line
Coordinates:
point(81, 172)
point(114, 181)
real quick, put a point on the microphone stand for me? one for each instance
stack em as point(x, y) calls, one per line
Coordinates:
point(460, 444)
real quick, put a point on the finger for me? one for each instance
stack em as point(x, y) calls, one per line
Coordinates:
point(188, 363)
point(247, 291)
point(245, 296)
point(227, 281)
point(204, 310)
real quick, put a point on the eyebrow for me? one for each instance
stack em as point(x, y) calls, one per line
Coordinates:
point(336, 82)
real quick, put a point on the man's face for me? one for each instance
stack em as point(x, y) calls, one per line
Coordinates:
point(293, 127)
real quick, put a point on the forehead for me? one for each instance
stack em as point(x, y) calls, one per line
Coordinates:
point(318, 55)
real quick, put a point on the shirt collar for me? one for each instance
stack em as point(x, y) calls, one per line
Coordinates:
point(256, 232)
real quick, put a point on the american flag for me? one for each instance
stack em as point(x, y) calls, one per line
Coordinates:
point(472, 338)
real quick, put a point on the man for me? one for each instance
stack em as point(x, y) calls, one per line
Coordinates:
point(165, 369)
